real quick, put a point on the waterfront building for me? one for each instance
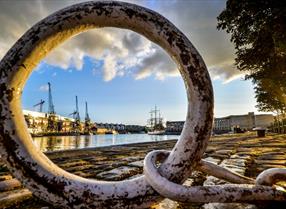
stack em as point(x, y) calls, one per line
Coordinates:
point(120, 128)
point(67, 125)
point(135, 128)
point(174, 127)
point(236, 123)
point(231, 123)
point(38, 122)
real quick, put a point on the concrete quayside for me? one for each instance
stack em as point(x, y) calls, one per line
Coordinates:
point(245, 154)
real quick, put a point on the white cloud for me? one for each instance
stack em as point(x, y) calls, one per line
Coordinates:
point(44, 87)
point(122, 50)
point(109, 67)
point(158, 63)
point(225, 71)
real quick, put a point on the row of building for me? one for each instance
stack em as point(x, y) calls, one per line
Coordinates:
point(232, 123)
point(121, 128)
point(43, 123)
point(39, 122)
point(236, 123)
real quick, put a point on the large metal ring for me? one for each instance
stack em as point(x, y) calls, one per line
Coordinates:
point(35, 170)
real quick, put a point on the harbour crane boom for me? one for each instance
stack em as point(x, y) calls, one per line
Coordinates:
point(40, 104)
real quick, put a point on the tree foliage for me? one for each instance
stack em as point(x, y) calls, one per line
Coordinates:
point(269, 96)
point(258, 31)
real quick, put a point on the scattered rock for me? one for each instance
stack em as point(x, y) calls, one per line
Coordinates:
point(138, 164)
point(118, 173)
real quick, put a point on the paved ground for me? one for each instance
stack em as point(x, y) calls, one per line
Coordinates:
point(245, 154)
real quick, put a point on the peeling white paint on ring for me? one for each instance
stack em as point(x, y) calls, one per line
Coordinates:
point(271, 176)
point(205, 194)
point(66, 190)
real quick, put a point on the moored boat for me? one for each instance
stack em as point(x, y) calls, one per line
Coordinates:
point(155, 123)
point(156, 132)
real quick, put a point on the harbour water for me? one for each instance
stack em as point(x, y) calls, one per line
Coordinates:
point(53, 143)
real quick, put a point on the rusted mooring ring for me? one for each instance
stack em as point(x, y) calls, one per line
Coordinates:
point(35, 170)
point(66, 190)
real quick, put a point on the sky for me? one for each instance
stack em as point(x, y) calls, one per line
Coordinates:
point(121, 74)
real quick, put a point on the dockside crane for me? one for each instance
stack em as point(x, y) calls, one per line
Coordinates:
point(76, 117)
point(87, 125)
point(73, 114)
point(40, 104)
point(52, 123)
point(51, 109)
point(86, 113)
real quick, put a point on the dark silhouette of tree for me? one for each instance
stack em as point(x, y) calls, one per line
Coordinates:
point(258, 31)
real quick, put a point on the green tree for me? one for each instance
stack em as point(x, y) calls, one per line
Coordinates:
point(269, 97)
point(258, 31)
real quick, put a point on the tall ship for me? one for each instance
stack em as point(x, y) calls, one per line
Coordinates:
point(155, 123)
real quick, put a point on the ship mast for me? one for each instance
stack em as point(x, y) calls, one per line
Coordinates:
point(155, 117)
point(156, 121)
point(151, 118)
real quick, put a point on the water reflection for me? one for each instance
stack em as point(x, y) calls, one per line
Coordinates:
point(52, 143)
point(87, 141)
